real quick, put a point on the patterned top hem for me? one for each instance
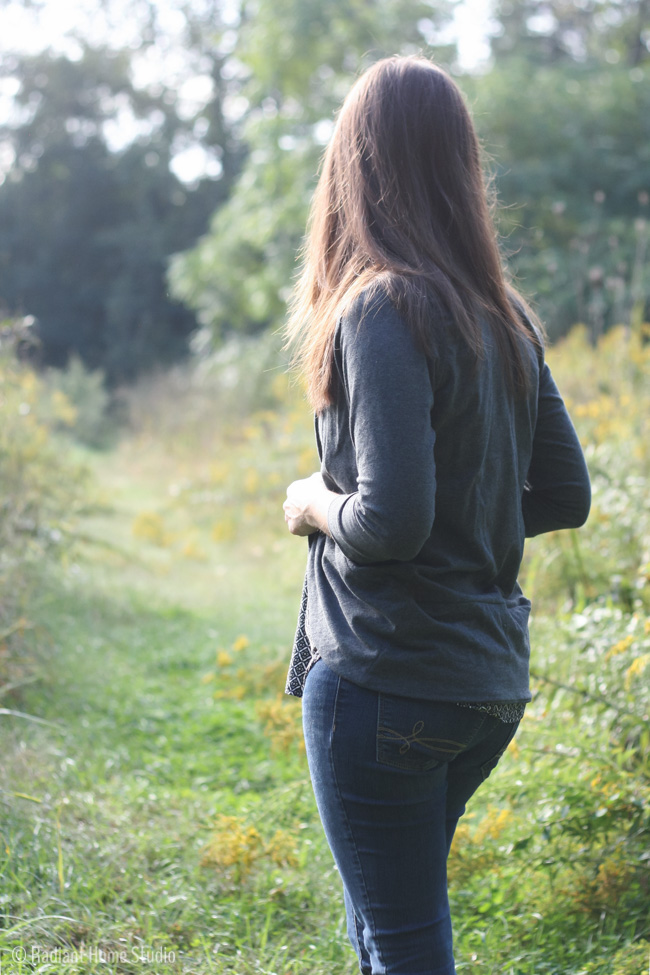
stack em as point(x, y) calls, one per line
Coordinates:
point(304, 657)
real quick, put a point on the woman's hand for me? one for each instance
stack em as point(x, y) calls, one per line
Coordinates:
point(305, 510)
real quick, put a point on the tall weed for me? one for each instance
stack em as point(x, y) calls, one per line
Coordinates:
point(40, 492)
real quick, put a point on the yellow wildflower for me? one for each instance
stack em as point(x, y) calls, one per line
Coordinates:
point(493, 824)
point(219, 472)
point(620, 647)
point(636, 667)
point(233, 845)
point(192, 550)
point(251, 481)
point(282, 723)
point(281, 849)
point(150, 528)
point(223, 531)
point(63, 409)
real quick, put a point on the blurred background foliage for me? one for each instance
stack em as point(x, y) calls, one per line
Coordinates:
point(156, 165)
point(159, 180)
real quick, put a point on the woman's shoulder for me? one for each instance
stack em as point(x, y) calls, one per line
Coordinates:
point(372, 330)
point(373, 301)
point(381, 308)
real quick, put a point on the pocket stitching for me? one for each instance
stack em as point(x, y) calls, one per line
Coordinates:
point(392, 735)
point(413, 761)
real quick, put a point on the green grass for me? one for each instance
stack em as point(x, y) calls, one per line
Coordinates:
point(138, 758)
point(161, 736)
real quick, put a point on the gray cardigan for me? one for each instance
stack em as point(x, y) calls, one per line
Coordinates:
point(441, 474)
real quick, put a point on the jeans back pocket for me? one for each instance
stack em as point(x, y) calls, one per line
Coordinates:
point(419, 735)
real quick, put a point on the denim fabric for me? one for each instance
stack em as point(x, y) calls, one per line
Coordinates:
point(391, 776)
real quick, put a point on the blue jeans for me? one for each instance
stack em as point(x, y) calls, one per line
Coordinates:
point(391, 776)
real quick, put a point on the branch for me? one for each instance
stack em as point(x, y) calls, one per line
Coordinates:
point(28, 717)
point(582, 692)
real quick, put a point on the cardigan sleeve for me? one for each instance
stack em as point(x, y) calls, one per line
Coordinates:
point(390, 396)
point(558, 491)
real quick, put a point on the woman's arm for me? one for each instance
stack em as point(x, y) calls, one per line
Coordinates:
point(389, 392)
point(558, 492)
point(388, 388)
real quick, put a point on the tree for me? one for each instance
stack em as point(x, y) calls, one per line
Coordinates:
point(563, 109)
point(565, 112)
point(86, 231)
point(554, 32)
point(299, 57)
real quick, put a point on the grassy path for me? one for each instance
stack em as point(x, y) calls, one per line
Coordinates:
point(158, 817)
point(149, 743)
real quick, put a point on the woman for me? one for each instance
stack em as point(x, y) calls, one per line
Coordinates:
point(444, 442)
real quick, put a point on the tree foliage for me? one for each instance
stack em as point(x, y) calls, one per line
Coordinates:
point(554, 32)
point(299, 58)
point(564, 113)
point(86, 231)
point(572, 170)
point(92, 208)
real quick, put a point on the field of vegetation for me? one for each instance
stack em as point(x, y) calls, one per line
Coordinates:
point(155, 808)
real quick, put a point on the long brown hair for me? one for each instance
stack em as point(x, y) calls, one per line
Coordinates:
point(402, 203)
